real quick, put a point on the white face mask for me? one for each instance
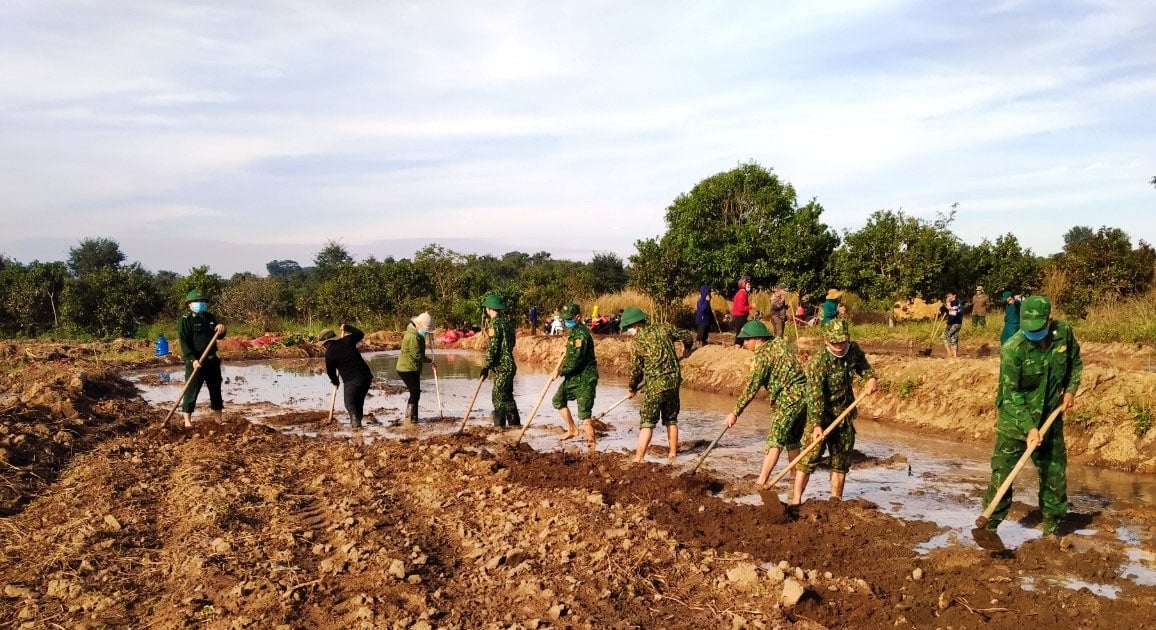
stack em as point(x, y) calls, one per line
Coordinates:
point(198, 307)
point(633, 330)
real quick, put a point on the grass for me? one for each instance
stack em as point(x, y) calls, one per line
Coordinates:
point(1131, 321)
point(1141, 413)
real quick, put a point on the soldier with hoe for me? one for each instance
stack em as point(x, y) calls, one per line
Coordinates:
point(195, 329)
point(830, 377)
point(579, 370)
point(776, 368)
point(654, 365)
point(1039, 372)
point(500, 363)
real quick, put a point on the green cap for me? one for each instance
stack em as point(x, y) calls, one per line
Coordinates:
point(1034, 313)
point(570, 311)
point(196, 295)
point(633, 315)
point(326, 334)
point(837, 331)
point(754, 330)
point(495, 302)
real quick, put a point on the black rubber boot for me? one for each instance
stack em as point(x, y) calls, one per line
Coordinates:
point(513, 419)
point(355, 423)
point(411, 413)
point(499, 417)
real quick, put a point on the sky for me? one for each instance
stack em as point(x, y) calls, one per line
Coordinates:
point(237, 132)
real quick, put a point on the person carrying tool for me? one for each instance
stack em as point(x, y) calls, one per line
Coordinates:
point(952, 311)
point(776, 368)
point(500, 362)
point(779, 309)
point(1011, 316)
point(342, 357)
point(979, 303)
point(195, 329)
point(830, 376)
point(1039, 371)
point(410, 360)
point(580, 376)
point(741, 307)
point(654, 365)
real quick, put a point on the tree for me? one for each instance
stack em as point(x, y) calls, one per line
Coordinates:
point(94, 254)
point(254, 301)
point(111, 302)
point(1078, 234)
point(1101, 268)
point(1153, 182)
point(199, 278)
point(608, 272)
point(1002, 266)
point(659, 271)
point(332, 256)
point(283, 268)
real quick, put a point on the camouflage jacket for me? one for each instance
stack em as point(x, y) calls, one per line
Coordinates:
point(653, 359)
point(1033, 379)
point(775, 367)
point(829, 382)
point(580, 360)
point(500, 353)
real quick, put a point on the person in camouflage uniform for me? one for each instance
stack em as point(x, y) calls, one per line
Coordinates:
point(500, 362)
point(829, 392)
point(775, 367)
point(1039, 371)
point(580, 376)
point(654, 364)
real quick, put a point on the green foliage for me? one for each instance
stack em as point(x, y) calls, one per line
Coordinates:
point(659, 272)
point(1102, 267)
point(609, 275)
point(282, 268)
point(332, 257)
point(93, 255)
point(1003, 266)
point(198, 278)
point(111, 302)
point(907, 387)
point(1141, 413)
point(254, 301)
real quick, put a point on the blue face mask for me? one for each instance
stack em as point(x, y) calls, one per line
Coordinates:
point(421, 332)
point(570, 323)
point(1038, 335)
point(198, 307)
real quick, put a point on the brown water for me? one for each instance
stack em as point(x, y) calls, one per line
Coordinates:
point(940, 480)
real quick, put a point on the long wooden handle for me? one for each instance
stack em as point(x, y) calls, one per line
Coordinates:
point(534, 411)
point(709, 449)
point(611, 408)
point(813, 445)
point(466, 418)
point(434, 366)
point(983, 519)
point(332, 404)
point(189, 381)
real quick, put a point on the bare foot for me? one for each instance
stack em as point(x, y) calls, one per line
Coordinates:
point(567, 435)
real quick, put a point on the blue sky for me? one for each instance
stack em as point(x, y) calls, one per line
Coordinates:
point(234, 133)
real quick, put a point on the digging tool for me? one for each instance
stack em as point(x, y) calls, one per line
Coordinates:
point(931, 340)
point(983, 518)
point(434, 366)
point(534, 411)
point(795, 325)
point(610, 408)
point(332, 405)
point(816, 444)
point(466, 418)
point(189, 381)
point(708, 450)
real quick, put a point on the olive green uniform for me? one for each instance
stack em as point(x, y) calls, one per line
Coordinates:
point(500, 364)
point(1033, 378)
point(579, 371)
point(776, 368)
point(654, 364)
point(829, 392)
point(195, 331)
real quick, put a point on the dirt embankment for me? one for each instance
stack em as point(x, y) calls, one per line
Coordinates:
point(954, 397)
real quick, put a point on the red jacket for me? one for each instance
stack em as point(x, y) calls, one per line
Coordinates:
point(741, 306)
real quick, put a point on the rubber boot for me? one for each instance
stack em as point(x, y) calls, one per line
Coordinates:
point(499, 417)
point(513, 420)
point(355, 423)
point(411, 412)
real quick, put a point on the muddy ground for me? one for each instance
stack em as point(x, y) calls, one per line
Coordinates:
point(110, 520)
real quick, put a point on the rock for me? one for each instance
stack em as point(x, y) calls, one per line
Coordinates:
point(397, 569)
point(793, 591)
point(112, 523)
point(13, 591)
point(744, 576)
point(596, 498)
point(220, 545)
point(917, 574)
point(776, 574)
point(944, 600)
point(557, 611)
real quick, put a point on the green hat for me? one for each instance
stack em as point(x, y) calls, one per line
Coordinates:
point(633, 315)
point(326, 335)
point(1034, 313)
point(754, 330)
point(837, 331)
point(570, 311)
point(495, 302)
point(196, 295)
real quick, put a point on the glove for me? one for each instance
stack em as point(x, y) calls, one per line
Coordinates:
point(485, 373)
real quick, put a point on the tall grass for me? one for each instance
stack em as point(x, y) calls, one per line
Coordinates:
point(1132, 320)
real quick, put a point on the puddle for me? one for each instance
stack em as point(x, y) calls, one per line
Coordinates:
point(932, 479)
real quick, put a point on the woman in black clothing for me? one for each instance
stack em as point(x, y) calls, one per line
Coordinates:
point(342, 357)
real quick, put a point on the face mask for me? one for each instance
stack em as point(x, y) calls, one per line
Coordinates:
point(631, 331)
point(1038, 335)
point(421, 332)
point(570, 323)
point(198, 307)
point(838, 353)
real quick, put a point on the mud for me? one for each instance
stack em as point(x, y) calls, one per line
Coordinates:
point(250, 526)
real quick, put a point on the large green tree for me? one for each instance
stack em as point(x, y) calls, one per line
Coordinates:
point(1102, 268)
point(94, 254)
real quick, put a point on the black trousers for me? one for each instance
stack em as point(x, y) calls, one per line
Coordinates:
point(412, 382)
point(703, 332)
point(737, 322)
point(209, 374)
point(356, 390)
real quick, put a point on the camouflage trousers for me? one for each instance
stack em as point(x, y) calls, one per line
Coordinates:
point(664, 404)
point(788, 421)
point(1051, 460)
point(839, 444)
point(503, 394)
point(580, 387)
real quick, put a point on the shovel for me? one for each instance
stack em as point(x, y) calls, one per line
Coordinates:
point(926, 351)
point(1006, 485)
point(609, 409)
point(708, 450)
point(332, 406)
point(437, 388)
point(534, 411)
point(810, 447)
point(471, 407)
point(208, 348)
